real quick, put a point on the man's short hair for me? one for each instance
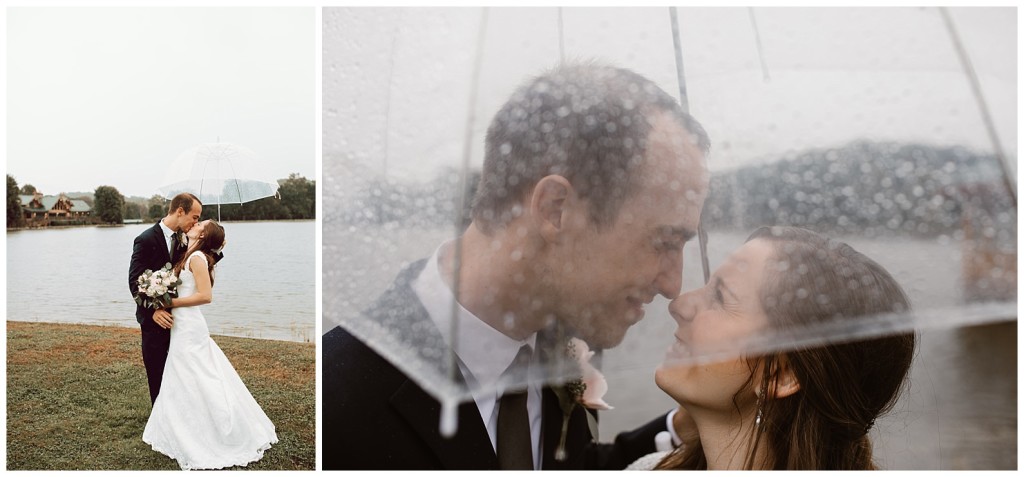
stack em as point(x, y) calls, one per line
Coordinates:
point(183, 200)
point(586, 122)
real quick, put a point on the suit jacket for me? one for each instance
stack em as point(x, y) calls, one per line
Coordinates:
point(148, 253)
point(376, 417)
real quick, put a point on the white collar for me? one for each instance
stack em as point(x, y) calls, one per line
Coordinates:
point(485, 351)
point(167, 230)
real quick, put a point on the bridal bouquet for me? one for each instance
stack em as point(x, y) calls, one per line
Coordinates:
point(157, 288)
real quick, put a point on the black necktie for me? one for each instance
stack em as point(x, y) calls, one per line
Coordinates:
point(176, 241)
point(515, 448)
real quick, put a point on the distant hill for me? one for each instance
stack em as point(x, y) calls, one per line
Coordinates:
point(81, 195)
point(864, 188)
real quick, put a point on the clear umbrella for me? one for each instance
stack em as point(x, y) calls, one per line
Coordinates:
point(218, 173)
point(865, 124)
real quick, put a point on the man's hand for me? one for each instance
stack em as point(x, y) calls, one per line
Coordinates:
point(163, 318)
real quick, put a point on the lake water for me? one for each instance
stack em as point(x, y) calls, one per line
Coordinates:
point(960, 411)
point(265, 286)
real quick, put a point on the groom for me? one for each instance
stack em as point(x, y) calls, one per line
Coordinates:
point(593, 181)
point(158, 245)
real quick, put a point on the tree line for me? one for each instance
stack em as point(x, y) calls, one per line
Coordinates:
point(296, 200)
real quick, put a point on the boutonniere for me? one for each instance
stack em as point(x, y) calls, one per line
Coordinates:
point(587, 390)
point(181, 240)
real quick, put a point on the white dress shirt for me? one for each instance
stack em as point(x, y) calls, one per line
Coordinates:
point(484, 352)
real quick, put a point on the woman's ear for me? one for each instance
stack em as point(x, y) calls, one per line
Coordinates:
point(548, 205)
point(785, 383)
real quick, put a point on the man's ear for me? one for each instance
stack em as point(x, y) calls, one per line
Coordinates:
point(785, 384)
point(547, 206)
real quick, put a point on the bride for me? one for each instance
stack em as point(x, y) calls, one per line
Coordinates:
point(810, 408)
point(204, 417)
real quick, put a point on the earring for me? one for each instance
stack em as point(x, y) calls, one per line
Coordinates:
point(760, 415)
point(760, 393)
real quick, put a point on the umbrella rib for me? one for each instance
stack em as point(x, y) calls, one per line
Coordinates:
point(702, 233)
point(678, 47)
point(760, 48)
point(387, 107)
point(202, 178)
point(561, 37)
point(466, 151)
point(979, 98)
point(235, 180)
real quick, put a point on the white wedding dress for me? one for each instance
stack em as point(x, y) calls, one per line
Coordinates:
point(204, 416)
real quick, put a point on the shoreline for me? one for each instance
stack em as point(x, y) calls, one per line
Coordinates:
point(136, 327)
point(54, 227)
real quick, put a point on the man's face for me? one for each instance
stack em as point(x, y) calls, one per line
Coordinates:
point(187, 219)
point(606, 276)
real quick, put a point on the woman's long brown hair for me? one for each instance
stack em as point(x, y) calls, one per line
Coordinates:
point(843, 387)
point(213, 238)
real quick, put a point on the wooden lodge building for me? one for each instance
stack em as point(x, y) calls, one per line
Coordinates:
point(44, 210)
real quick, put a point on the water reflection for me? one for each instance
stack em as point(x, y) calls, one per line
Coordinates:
point(974, 373)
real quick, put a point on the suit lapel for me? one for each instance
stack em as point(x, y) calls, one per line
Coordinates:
point(161, 243)
point(469, 448)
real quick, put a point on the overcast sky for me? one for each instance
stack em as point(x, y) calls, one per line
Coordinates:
point(397, 81)
point(110, 96)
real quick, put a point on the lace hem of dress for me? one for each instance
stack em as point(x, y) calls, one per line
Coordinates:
point(242, 461)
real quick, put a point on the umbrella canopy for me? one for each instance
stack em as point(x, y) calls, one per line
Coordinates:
point(859, 123)
point(218, 173)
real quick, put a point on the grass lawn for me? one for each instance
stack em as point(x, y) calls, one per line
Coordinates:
point(77, 398)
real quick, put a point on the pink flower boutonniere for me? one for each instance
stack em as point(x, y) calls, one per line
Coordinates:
point(588, 390)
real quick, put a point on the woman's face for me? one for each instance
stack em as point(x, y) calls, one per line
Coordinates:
point(713, 319)
point(197, 231)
